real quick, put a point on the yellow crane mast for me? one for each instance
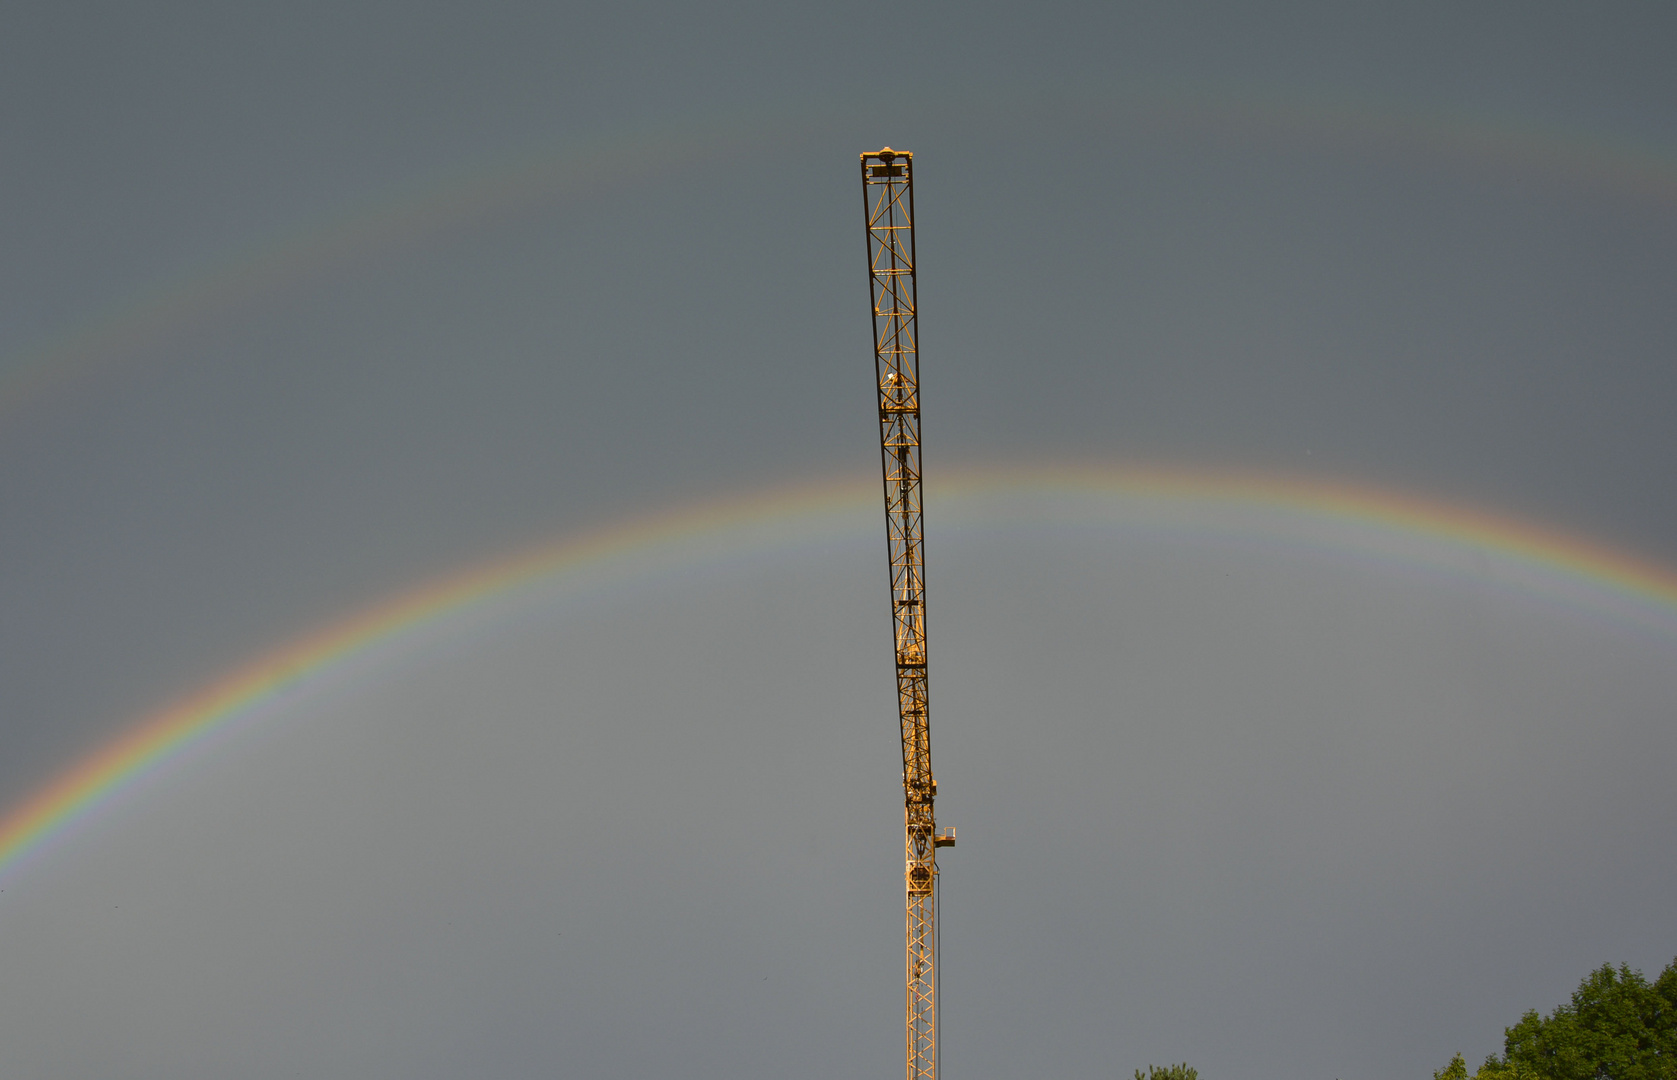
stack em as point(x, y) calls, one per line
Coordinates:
point(888, 197)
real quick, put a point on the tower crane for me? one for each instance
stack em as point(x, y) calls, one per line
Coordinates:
point(888, 198)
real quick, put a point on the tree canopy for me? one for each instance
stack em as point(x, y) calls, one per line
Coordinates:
point(1169, 1072)
point(1618, 1026)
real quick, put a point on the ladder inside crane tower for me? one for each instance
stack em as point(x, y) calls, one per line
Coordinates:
point(888, 196)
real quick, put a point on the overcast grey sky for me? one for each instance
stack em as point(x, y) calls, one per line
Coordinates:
point(310, 304)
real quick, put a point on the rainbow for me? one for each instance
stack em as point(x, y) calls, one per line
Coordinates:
point(504, 186)
point(1334, 515)
point(225, 286)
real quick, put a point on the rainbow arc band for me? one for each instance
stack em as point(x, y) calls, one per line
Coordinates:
point(1382, 527)
point(517, 183)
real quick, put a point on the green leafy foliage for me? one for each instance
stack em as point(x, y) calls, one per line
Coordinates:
point(1169, 1072)
point(1618, 1026)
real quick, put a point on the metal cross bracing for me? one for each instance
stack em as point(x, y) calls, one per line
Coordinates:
point(888, 196)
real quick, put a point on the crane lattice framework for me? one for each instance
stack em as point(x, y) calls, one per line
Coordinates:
point(888, 196)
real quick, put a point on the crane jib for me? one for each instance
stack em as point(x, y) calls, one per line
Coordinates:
point(888, 199)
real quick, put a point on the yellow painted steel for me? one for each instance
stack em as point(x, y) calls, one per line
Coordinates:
point(888, 196)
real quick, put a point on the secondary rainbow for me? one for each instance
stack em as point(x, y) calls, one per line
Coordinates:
point(493, 189)
point(634, 549)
